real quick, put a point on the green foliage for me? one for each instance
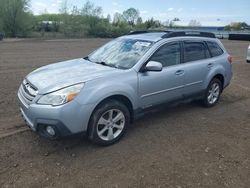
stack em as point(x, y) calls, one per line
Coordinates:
point(152, 24)
point(121, 29)
point(88, 21)
point(227, 28)
point(1, 24)
point(236, 26)
point(15, 18)
point(85, 21)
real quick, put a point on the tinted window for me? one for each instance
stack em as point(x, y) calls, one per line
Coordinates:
point(168, 54)
point(194, 51)
point(214, 49)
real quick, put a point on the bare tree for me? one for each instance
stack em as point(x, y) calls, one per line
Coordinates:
point(118, 18)
point(139, 21)
point(194, 23)
point(109, 18)
point(89, 9)
point(131, 15)
point(64, 7)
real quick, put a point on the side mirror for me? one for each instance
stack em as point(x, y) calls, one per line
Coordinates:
point(153, 66)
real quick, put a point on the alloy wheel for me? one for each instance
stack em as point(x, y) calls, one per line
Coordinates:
point(111, 124)
point(213, 93)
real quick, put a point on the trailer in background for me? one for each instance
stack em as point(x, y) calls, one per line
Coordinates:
point(238, 36)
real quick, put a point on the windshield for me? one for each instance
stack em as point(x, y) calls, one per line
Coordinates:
point(120, 53)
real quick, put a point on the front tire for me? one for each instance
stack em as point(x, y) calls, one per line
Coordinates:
point(213, 93)
point(108, 123)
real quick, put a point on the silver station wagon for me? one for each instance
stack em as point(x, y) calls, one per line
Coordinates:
point(103, 93)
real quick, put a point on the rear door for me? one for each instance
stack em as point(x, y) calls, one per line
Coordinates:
point(197, 63)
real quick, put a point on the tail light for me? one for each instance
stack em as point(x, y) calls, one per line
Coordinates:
point(230, 59)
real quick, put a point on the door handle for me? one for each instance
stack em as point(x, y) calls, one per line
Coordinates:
point(210, 65)
point(179, 72)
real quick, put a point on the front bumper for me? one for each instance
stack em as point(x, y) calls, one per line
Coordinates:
point(68, 119)
point(40, 126)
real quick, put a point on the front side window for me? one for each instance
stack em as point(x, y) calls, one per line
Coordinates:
point(121, 53)
point(214, 49)
point(194, 51)
point(168, 54)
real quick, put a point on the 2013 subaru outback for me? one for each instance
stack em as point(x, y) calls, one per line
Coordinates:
point(104, 92)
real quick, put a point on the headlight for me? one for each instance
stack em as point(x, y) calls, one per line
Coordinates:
point(61, 96)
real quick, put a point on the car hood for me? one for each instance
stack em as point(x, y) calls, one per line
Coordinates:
point(56, 76)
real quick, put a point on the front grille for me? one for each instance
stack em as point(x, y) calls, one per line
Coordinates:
point(27, 92)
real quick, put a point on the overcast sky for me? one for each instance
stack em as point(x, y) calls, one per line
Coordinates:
point(208, 12)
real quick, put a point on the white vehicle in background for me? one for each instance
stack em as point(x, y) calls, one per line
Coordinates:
point(248, 54)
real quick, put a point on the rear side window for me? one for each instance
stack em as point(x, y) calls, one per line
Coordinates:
point(194, 51)
point(168, 54)
point(214, 49)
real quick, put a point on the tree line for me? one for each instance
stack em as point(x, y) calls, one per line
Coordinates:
point(17, 20)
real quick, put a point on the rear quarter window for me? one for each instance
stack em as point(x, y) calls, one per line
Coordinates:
point(214, 49)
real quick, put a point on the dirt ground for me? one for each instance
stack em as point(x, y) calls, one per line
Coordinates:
point(182, 146)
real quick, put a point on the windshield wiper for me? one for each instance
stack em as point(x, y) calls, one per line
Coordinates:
point(106, 64)
point(86, 58)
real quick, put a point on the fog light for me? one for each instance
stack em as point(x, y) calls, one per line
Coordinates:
point(50, 131)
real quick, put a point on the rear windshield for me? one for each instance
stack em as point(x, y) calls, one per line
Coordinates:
point(214, 49)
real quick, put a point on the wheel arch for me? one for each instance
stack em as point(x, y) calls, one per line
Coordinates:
point(120, 98)
point(221, 78)
point(218, 73)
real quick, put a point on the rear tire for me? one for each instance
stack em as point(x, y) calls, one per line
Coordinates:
point(212, 94)
point(108, 123)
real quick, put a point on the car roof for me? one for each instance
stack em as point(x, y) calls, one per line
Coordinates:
point(152, 36)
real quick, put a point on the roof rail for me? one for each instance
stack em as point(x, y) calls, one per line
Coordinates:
point(137, 32)
point(188, 33)
point(171, 34)
point(146, 31)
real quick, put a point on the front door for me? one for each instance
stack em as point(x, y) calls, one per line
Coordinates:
point(156, 87)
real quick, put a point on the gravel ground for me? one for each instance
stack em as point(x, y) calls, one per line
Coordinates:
point(182, 146)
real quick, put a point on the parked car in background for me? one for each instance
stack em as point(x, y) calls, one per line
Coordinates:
point(104, 92)
point(248, 54)
point(1, 36)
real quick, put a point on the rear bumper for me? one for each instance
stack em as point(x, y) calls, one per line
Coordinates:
point(228, 79)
